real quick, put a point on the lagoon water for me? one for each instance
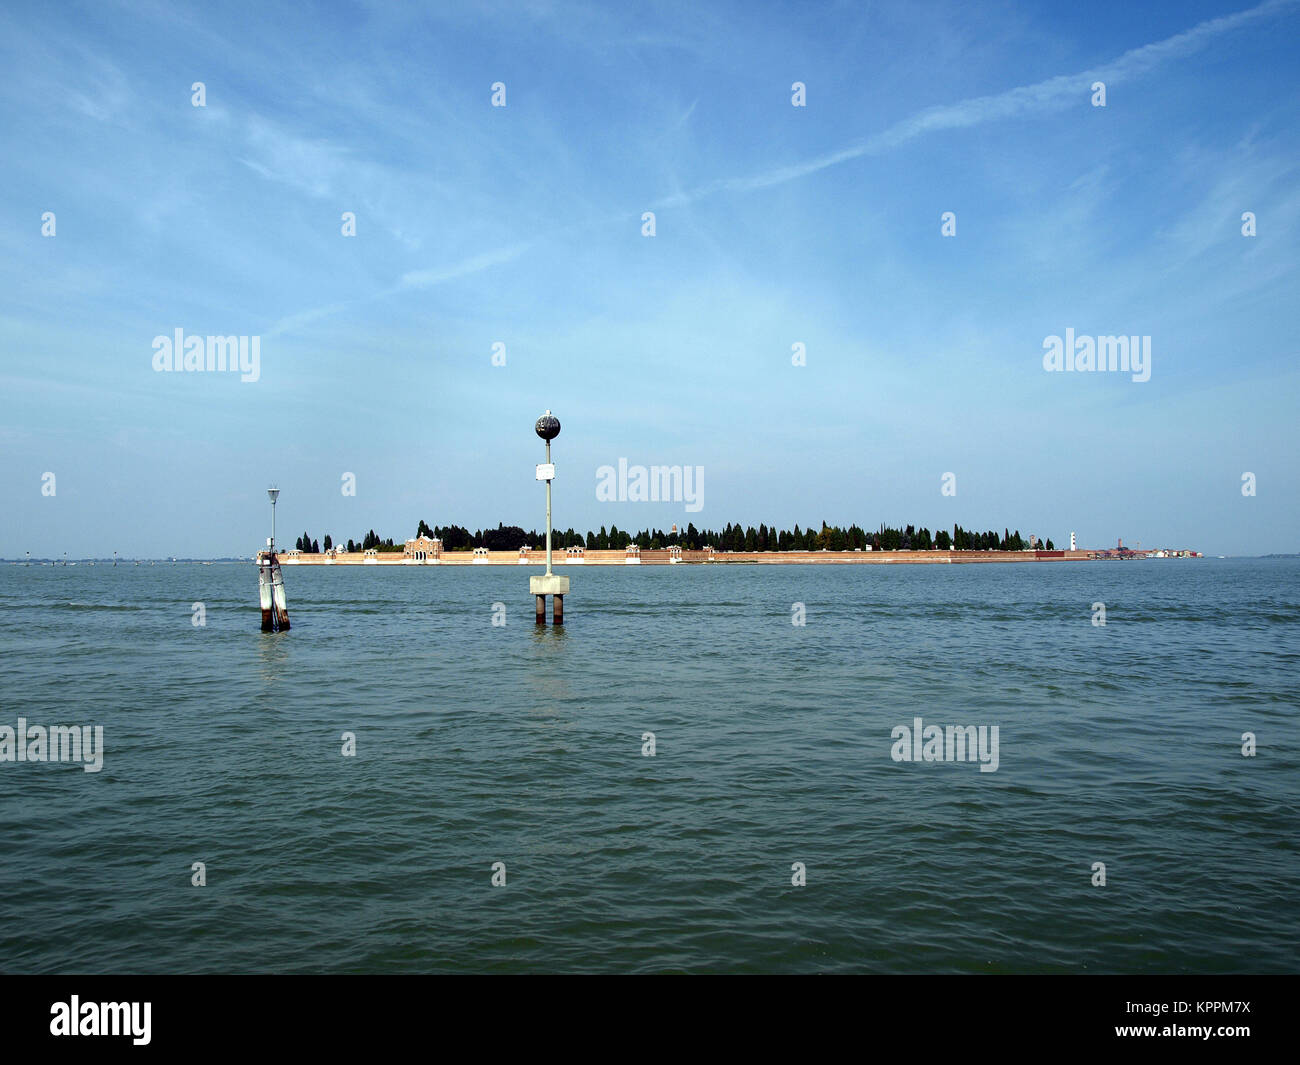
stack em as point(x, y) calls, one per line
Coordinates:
point(478, 744)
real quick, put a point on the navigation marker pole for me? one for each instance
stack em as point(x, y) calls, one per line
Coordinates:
point(548, 428)
point(270, 584)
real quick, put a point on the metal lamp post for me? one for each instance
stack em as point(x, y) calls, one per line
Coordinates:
point(274, 493)
point(548, 428)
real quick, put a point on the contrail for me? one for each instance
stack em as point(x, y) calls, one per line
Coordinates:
point(414, 279)
point(1042, 97)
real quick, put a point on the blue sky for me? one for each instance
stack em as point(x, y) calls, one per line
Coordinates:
point(522, 225)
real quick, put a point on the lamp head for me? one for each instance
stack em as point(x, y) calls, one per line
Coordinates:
point(548, 426)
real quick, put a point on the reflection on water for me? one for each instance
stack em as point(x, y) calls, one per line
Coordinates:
point(549, 668)
point(272, 651)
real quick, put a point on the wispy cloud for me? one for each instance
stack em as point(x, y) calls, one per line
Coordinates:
point(412, 280)
point(291, 323)
point(311, 166)
point(473, 265)
point(1043, 97)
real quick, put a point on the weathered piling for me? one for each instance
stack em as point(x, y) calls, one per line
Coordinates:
point(270, 582)
point(275, 613)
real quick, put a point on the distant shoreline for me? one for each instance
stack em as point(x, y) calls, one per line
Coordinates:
point(665, 556)
point(648, 557)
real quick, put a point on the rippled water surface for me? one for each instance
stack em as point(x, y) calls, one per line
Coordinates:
point(478, 744)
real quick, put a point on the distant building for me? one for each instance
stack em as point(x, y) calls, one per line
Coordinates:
point(1073, 546)
point(421, 548)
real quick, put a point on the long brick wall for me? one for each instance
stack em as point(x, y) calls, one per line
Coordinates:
point(662, 557)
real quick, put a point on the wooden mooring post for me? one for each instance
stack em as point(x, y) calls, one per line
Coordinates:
point(270, 582)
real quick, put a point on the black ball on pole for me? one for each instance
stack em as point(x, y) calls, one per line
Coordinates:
point(548, 426)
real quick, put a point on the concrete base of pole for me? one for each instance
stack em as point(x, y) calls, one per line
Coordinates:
point(548, 584)
point(557, 588)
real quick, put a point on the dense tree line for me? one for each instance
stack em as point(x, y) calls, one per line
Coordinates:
point(308, 546)
point(730, 538)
